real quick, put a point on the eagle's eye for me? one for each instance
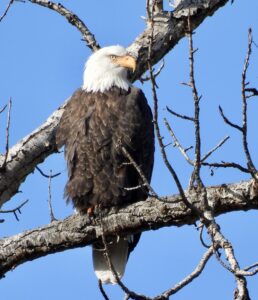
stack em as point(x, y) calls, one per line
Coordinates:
point(113, 57)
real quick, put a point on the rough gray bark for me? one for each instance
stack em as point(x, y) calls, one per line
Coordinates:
point(78, 231)
point(26, 155)
point(169, 28)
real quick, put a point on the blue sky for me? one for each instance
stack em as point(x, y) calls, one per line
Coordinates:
point(41, 64)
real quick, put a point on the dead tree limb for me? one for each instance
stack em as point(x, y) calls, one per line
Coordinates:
point(152, 214)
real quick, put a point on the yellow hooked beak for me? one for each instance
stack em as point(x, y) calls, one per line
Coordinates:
point(126, 61)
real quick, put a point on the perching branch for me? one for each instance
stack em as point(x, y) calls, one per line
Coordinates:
point(79, 231)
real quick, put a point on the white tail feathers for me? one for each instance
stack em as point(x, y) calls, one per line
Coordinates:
point(118, 251)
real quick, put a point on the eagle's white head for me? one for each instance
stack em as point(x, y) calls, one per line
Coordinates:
point(106, 68)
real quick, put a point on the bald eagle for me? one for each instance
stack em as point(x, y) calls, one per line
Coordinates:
point(104, 115)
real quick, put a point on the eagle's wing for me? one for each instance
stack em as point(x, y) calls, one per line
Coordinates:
point(71, 132)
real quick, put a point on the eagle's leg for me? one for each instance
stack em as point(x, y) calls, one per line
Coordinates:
point(90, 211)
point(93, 210)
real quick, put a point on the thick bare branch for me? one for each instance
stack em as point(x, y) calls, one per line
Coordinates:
point(29, 152)
point(169, 28)
point(78, 231)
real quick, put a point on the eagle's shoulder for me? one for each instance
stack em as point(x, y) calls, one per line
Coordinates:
point(76, 107)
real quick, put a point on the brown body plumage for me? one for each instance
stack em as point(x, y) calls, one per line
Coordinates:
point(93, 129)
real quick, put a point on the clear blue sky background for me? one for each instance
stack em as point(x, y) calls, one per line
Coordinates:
point(41, 64)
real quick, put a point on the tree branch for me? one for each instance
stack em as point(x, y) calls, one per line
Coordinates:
point(29, 152)
point(79, 231)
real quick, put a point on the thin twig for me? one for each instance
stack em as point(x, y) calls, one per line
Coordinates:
point(206, 214)
point(102, 290)
point(7, 135)
point(198, 270)
point(15, 210)
point(132, 294)
point(246, 273)
point(214, 149)
point(46, 175)
point(224, 265)
point(201, 236)
point(226, 165)
point(133, 188)
point(219, 240)
point(140, 172)
point(72, 19)
point(250, 163)
point(52, 217)
point(251, 267)
point(155, 73)
point(253, 91)
point(179, 115)
point(155, 117)
point(177, 143)
point(1, 110)
point(197, 162)
point(226, 120)
point(6, 10)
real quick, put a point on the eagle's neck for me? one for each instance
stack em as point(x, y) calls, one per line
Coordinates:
point(101, 80)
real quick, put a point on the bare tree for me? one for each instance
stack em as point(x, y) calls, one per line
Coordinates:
point(196, 203)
